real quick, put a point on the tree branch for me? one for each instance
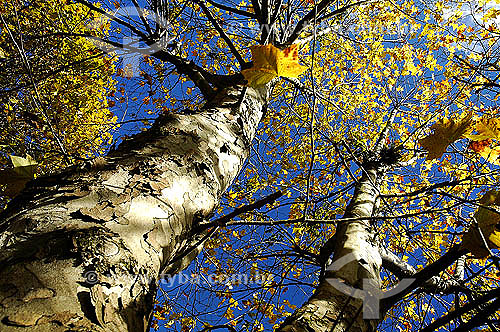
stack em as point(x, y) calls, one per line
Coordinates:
point(276, 11)
point(231, 9)
point(402, 270)
point(396, 265)
point(480, 317)
point(430, 188)
point(247, 208)
point(305, 21)
point(51, 73)
point(317, 10)
point(264, 11)
point(198, 75)
point(258, 13)
point(425, 274)
point(474, 304)
point(114, 18)
point(221, 32)
point(192, 250)
point(142, 16)
point(216, 327)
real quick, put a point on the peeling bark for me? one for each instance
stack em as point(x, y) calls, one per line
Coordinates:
point(337, 303)
point(82, 250)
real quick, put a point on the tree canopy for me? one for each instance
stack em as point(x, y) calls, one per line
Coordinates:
point(54, 88)
point(411, 86)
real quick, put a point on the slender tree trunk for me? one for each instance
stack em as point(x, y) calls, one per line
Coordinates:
point(354, 277)
point(82, 250)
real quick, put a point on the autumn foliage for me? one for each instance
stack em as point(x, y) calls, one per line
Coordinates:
point(419, 80)
point(54, 88)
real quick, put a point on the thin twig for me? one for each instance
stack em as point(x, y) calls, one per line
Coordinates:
point(221, 32)
point(231, 9)
point(247, 208)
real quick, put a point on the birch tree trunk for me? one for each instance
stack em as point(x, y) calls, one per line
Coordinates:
point(82, 250)
point(354, 276)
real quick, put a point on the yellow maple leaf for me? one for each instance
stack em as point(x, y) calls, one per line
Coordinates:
point(487, 129)
point(270, 62)
point(445, 132)
point(488, 221)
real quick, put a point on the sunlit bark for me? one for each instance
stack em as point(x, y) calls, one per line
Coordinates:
point(82, 250)
point(354, 277)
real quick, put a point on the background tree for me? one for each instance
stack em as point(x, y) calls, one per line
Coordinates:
point(341, 144)
point(53, 89)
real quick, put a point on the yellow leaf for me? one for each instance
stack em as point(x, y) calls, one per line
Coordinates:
point(445, 132)
point(488, 221)
point(16, 178)
point(491, 14)
point(491, 155)
point(288, 62)
point(495, 238)
point(486, 128)
point(20, 161)
point(270, 62)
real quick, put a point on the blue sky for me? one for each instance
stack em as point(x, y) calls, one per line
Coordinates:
point(207, 301)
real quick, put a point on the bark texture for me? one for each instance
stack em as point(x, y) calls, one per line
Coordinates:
point(353, 279)
point(81, 250)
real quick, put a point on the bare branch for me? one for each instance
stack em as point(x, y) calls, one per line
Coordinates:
point(258, 13)
point(422, 276)
point(221, 32)
point(51, 73)
point(396, 265)
point(231, 9)
point(114, 18)
point(142, 16)
point(199, 76)
point(317, 11)
point(430, 188)
point(402, 270)
point(216, 327)
point(474, 304)
point(247, 208)
point(266, 33)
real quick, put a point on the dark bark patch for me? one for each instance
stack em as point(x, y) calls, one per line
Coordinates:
point(87, 308)
point(84, 217)
point(7, 291)
point(176, 162)
point(200, 168)
point(55, 245)
point(102, 212)
point(8, 322)
point(224, 149)
point(136, 314)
